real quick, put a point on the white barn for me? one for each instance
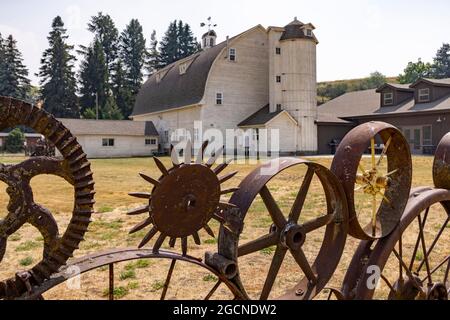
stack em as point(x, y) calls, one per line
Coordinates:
point(114, 138)
point(259, 79)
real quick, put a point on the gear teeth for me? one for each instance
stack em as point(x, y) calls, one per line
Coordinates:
point(74, 150)
point(71, 140)
point(81, 157)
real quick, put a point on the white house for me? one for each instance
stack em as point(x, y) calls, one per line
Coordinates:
point(259, 79)
point(114, 139)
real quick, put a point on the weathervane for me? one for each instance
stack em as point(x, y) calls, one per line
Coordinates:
point(209, 24)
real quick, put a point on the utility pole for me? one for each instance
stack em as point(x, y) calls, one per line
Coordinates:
point(96, 105)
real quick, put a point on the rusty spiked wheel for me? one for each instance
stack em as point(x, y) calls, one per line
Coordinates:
point(377, 191)
point(73, 167)
point(183, 201)
point(287, 234)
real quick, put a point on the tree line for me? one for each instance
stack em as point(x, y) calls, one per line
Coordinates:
point(112, 67)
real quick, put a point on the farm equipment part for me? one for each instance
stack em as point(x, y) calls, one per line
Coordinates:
point(186, 199)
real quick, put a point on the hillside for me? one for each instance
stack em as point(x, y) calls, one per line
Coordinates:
point(331, 89)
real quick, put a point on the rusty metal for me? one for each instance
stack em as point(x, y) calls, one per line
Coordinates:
point(72, 166)
point(288, 234)
point(441, 164)
point(110, 257)
point(392, 188)
point(183, 200)
point(371, 253)
point(187, 196)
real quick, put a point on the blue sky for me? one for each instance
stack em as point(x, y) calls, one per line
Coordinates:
point(356, 36)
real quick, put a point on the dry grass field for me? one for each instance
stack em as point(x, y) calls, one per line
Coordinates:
point(144, 279)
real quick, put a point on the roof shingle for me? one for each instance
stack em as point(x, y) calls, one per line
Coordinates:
point(110, 127)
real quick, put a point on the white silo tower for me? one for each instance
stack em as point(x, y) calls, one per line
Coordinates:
point(293, 79)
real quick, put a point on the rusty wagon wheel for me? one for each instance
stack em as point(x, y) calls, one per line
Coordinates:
point(413, 262)
point(376, 192)
point(288, 234)
point(73, 167)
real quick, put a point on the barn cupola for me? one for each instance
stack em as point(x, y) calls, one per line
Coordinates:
point(298, 30)
point(209, 39)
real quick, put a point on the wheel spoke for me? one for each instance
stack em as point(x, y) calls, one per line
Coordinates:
point(372, 147)
point(168, 278)
point(387, 282)
point(277, 260)
point(302, 261)
point(258, 244)
point(214, 289)
point(374, 215)
point(301, 196)
point(383, 153)
point(433, 244)
point(416, 246)
point(437, 268)
point(424, 249)
point(271, 205)
point(408, 271)
point(317, 223)
point(446, 272)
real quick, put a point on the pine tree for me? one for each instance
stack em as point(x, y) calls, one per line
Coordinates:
point(121, 90)
point(14, 80)
point(58, 83)
point(133, 53)
point(2, 60)
point(93, 77)
point(111, 111)
point(106, 32)
point(154, 58)
point(441, 66)
point(178, 42)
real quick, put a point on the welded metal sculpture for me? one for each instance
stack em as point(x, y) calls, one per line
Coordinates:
point(73, 166)
point(187, 197)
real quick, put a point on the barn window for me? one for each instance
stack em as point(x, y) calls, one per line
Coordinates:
point(108, 142)
point(278, 79)
point(219, 98)
point(424, 95)
point(388, 98)
point(278, 107)
point(278, 50)
point(150, 142)
point(232, 54)
point(309, 32)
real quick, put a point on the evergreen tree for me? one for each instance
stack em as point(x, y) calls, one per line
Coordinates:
point(58, 83)
point(121, 90)
point(154, 58)
point(106, 32)
point(133, 53)
point(93, 77)
point(2, 58)
point(14, 80)
point(441, 65)
point(111, 111)
point(178, 42)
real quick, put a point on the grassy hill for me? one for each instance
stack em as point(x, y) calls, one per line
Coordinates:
point(331, 89)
